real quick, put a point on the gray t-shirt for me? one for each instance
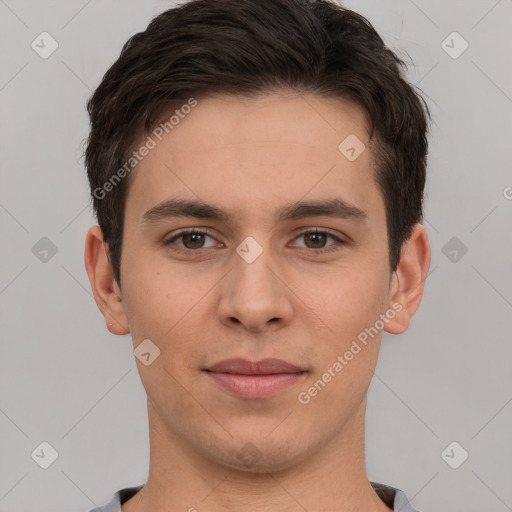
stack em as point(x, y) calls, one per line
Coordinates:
point(392, 497)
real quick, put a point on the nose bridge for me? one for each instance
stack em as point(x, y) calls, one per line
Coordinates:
point(252, 294)
point(253, 281)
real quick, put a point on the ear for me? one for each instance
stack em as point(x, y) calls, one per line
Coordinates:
point(104, 287)
point(408, 280)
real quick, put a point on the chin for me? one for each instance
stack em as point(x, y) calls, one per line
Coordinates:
point(259, 454)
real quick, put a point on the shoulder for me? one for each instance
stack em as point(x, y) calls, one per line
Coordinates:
point(115, 502)
point(393, 497)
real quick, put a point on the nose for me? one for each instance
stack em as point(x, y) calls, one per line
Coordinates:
point(254, 294)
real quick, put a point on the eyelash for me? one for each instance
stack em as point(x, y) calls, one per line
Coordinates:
point(331, 248)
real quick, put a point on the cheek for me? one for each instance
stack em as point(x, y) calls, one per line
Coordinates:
point(351, 344)
point(354, 300)
point(152, 303)
point(350, 347)
point(163, 303)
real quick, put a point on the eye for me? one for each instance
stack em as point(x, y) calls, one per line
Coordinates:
point(316, 239)
point(191, 240)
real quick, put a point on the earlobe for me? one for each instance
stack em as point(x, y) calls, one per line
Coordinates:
point(408, 280)
point(104, 287)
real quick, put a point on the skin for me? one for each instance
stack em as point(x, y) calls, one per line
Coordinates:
point(251, 157)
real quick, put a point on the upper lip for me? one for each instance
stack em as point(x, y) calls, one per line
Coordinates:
point(240, 366)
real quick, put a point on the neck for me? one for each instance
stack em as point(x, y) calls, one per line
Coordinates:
point(332, 478)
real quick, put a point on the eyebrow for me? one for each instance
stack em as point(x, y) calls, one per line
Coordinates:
point(334, 207)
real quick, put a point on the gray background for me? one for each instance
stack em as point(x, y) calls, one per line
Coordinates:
point(65, 380)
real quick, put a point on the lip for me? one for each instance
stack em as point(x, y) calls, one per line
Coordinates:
point(241, 366)
point(255, 379)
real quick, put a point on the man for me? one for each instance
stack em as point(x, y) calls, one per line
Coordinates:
point(257, 169)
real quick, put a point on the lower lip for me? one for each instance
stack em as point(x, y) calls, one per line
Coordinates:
point(256, 386)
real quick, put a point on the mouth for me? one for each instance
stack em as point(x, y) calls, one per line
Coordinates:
point(258, 379)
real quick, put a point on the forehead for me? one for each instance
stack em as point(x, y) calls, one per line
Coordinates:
point(246, 155)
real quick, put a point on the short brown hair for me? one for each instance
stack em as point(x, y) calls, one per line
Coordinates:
point(249, 47)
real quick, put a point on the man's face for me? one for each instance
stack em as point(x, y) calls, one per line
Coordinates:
point(205, 299)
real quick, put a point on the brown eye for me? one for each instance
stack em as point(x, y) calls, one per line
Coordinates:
point(191, 241)
point(316, 240)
